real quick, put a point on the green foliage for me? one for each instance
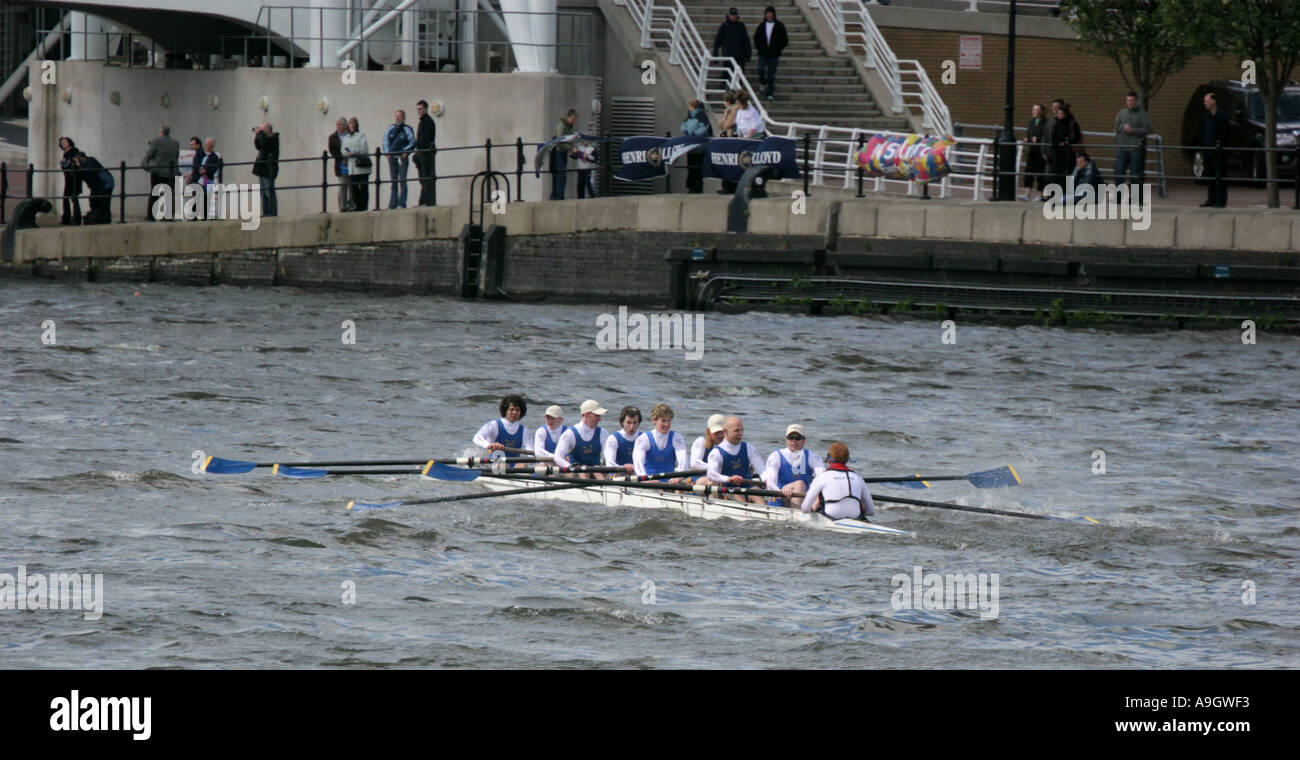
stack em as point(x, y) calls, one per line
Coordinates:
point(801, 283)
point(864, 306)
point(838, 305)
point(941, 309)
point(1133, 34)
point(1054, 315)
point(904, 306)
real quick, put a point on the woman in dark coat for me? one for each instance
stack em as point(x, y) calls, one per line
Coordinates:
point(1066, 139)
point(1035, 154)
point(71, 182)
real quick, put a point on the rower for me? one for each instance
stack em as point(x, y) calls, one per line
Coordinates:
point(791, 470)
point(734, 461)
point(583, 443)
point(660, 449)
point(705, 443)
point(619, 444)
point(839, 492)
point(547, 436)
point(508, 431)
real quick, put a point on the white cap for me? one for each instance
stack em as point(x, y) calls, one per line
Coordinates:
point(715, 423)
point(795, 429)
point(591, 407)
point(555, 411)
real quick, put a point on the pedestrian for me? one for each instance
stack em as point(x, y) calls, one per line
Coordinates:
point(210, 164)
point(71, 182)
point(196, 160)
point(749, 122)
point(560, 155)
point(732, 39)
point(267, 165)
point(340, 163)
point(585, 154)
point(727, 128)
point(1214, 132)
point(1132, 125)
point(425, 146)
point(399, 141)
point(769, 40)
point(100, 183)
point(357, 150)
point(1085, 175)
point(1066, 139)
point(696, 125)
point(1035, 155)
point(161, 161)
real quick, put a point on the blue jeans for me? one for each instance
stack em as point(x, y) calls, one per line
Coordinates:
point(1127, 161)
point(267, 186)
point(559, 176)
point(767, 73)
point(397, 167)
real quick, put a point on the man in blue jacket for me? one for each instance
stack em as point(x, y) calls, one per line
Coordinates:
point(101, 186)
point(399, 141)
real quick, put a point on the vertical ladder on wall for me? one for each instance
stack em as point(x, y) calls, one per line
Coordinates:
point(473, 251)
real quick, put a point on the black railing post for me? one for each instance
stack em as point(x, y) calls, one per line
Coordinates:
point(807, 140)
point(31, 178)
point(858, 159)
point(378, 179)
point(324, 181)
point(1218, 168)
point(121, 193)
point(519, 169)
point(1295, 164)
point(433, 175)
point(4, 189)
point(1142, 161)
point(487, 164)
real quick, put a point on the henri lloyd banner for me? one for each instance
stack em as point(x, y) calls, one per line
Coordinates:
point(728, 158)
point(649, 157)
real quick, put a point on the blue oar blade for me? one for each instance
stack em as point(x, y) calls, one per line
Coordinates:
point(298, 472)
point(999, 478)
point(904, 484)
point(219, 466)
point(436, 471)
point(361, 506)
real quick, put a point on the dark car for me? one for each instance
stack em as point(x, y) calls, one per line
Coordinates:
point(1245, 109)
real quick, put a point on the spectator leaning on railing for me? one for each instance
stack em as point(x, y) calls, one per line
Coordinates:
point(101, 184)
point(1132, 125)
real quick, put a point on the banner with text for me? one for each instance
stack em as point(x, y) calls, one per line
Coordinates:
point(728, 157)
point(650, 157)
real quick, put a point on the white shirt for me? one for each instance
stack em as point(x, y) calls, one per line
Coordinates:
point(795, 459)
point(642, 447)
point(568, 443)
point(770, 25)
point(699, 460)
point(539, 440)
point(834, 485)
point(715, 460)
point(611, 446)
point(488, 433)
point(749, 120)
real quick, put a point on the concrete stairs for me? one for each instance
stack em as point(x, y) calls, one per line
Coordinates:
point(813, 86)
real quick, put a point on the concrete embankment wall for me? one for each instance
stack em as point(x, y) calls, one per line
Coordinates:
point(614, 248)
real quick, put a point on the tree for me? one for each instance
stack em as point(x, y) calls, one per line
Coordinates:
point(1265, 33)
point(1133, 34)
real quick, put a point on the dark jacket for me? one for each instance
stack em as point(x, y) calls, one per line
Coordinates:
point(425, 137)
point(71, 176)
point(267, 163)
point(1088, 175)
point(1214, 128)
point(96, 177)
point(732, 40)
point(779, 38)
point(213, 164)
point(163, 156)
point(336, 150)
point(1066, 132)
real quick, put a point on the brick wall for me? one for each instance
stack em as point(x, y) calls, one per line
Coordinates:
point(1053, 68)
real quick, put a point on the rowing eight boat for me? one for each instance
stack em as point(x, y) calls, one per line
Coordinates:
point(688, 503)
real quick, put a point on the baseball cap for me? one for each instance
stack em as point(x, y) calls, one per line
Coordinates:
point(795, 429)
point(715, 423)
point(554, 411)
point(591, 407)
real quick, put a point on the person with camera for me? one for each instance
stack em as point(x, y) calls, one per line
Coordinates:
point(267, 165)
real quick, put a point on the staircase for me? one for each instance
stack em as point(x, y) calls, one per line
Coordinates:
point(813, 87)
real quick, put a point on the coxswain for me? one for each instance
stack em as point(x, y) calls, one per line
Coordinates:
point(734, 461)
point(660, 449)
point(792, 469)
point(507, 432)
point(704, 444)
point(839, 492)
point(619, 444)
point(547, 436)
point(583, 443)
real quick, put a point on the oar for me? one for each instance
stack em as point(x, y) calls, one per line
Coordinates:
point(286, 471)
point(219, 466)
point(437, 471)
point(998, 478)
point(361, 505)
point(649, 481)
point(982, 510)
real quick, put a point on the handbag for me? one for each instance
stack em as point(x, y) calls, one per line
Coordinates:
point(363, 162)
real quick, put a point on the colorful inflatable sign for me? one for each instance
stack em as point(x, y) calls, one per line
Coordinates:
point(916, 158)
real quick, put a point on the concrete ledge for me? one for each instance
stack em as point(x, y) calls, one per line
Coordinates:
point(949, 222)
point(438, 222)
point(1204, 228)
point(769, 216)
point(1000, 222)
point(555, 218)
point(658, 213)
point(858, 218)
point(1159, 234)
point(1263, 231)
point(396, 225)
point(816, 220)
point(705, 213)
point(900, 219)
point(33, 245)
point(1104, 232)
point(518, 218)
point(1040, 230)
